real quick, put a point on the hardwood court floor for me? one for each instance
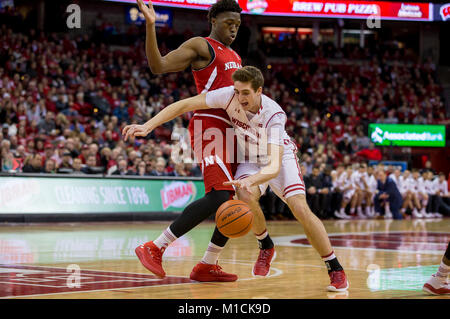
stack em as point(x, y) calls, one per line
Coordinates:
point(382, 259)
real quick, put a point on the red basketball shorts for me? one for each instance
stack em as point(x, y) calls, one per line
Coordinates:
point(213, 142)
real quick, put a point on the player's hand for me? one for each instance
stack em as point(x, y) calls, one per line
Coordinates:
point(244, 184)
point(147, 11)
point(134, 130)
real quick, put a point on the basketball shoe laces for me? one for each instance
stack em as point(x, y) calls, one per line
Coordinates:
point(263, 258)
point(216, 269)
point(156, 254)
point(337, 276)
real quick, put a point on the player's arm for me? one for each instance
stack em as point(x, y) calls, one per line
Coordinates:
point(268, 172)
point(167, 114)
point(174, 61)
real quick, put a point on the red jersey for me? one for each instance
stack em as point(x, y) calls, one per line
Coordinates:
point(217, 74)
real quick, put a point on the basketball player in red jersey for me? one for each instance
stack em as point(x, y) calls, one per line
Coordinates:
point(212, 62)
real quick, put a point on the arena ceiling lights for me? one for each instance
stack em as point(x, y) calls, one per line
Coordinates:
point(384, 10)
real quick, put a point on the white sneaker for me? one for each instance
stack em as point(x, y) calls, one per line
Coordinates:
point(416, 213)
point(361, 215)
point(337, 214)
point(427, 215)
point(436, 286)
point(438, 215)
point(370, 213)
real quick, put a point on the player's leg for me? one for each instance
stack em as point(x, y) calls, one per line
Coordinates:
point(150, 254)
point(346, 198)
point(416, 203)
point(438, 283)
point(318, 237)
point(207, 270)
point(406, 202)
point(359, 201)
point(424, 204)
point(289, 186)
point(266, 247)
point(353, 201)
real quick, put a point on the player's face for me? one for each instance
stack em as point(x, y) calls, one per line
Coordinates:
point(247, 97)
point(226, 26)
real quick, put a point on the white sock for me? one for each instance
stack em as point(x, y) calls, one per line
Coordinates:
point(165, 239)
point(211, 254)
point(263, 235)
point(359, 210)
point(342, 210)
point(402, 210)
point(352, 211)
point(443, 271)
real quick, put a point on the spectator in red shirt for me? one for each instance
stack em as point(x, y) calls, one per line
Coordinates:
point(370, 153)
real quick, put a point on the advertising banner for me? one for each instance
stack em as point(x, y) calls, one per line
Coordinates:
point(441, 12)
point(407, 135)
point(395, 164)
point(384, 10)
point(26, 195)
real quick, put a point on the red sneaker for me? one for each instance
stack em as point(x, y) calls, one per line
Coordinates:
point(150, 257)
point(208, 272)
point(338, 281)
point(262, 265)
point(435, 286)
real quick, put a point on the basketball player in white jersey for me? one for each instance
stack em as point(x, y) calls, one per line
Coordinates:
point(253, 113)
point(419, 195)
point(371, 190)
point(344, 183)
point(339, 177)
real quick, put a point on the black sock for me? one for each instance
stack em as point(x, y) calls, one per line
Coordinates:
point(198, 211)
point(332, 262)
point(218, 238)
point(265, 243)
point(447, 252)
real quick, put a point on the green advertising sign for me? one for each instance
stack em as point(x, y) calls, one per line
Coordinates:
point(407, 135)
point(95, 195)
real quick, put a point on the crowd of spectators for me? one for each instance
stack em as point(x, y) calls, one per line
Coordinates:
point(64, 101)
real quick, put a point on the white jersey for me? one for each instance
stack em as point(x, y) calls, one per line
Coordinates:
point(267, 126)
point(372, 183)
point(405, 184)
point(342, 182)
point(416, 185)
point(357, 179)
point(442, 187)
point(428, 187)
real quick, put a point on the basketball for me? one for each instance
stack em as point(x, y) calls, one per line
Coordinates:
point(234, 218)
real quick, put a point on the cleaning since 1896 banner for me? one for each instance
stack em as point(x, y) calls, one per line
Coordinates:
point(95, 195)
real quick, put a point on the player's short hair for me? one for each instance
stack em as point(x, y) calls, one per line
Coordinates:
point(223, 6)
point(414, 170)
point(441, 174)
point(249, 74)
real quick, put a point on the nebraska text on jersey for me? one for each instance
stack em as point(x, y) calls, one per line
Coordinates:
point(232, 65)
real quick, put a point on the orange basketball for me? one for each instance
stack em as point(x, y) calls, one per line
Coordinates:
point(234, 218)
